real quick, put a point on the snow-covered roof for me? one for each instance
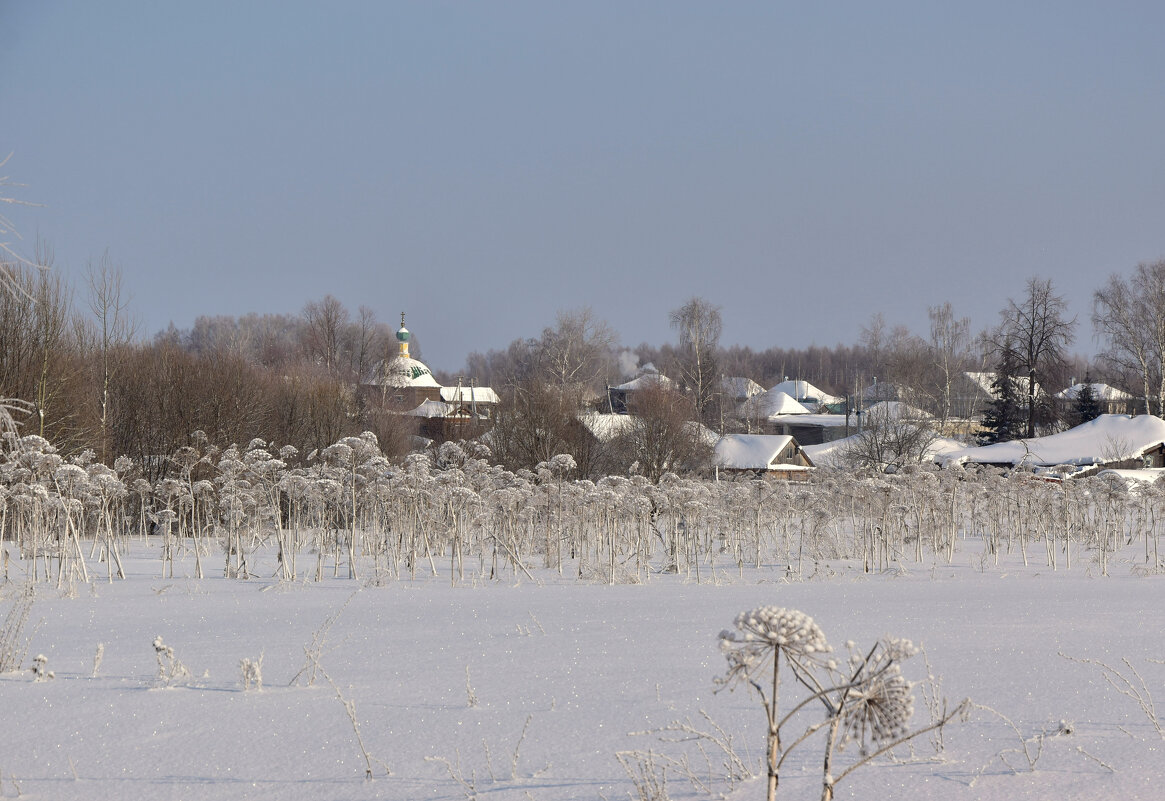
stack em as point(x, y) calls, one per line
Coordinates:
point(431, 408)
point(891, 410)
point(882, 391)
point(739, 387)
point(804, 392)
point(1108, 438)
point(705, 434)
point(605, 427)
point(751, 451)
point(403, 371)
point(827, 453)
point(646, 380)
point(469, 395)
point(771, 403)
point(1102, 392)
point(984, 381)
point(1143, 477)
point(822, 420)
point(896, 410)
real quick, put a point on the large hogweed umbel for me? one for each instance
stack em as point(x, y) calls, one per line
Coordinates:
point(867, 700)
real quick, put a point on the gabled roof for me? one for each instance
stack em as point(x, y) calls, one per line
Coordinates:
point(804, 392)
point(896, 410)
point(751, 451)
point(469, 395)
point(646, 380)
point(770, 404)
point(1102, 392)
point(983, 380)
point(739, 387)
point(431, 408)
point(1108, 438)
point(606, 427)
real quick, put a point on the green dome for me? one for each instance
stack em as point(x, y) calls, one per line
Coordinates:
point(403, 334)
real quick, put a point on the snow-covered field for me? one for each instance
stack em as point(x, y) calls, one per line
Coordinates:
point(520, 689)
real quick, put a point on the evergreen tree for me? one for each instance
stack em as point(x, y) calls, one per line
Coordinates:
point(1005, 416)
point(1087, 405)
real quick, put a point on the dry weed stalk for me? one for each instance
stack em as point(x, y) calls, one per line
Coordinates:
point(170, 669)
point(319, 638)
point(98, 655)
point(648, 777)
point(1129, 684)
point(723, 763)
point(469, 785)
point(252, 670)
point(13, 644)
point(312, 668)
point(1032, 748)
point(470, 695)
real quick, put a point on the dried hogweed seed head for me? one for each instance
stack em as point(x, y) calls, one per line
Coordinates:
point(787, 629)
point(880, 708)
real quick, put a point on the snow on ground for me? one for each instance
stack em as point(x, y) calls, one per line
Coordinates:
point(578, 668)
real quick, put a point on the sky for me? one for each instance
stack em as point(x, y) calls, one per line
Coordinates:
point(482, 166)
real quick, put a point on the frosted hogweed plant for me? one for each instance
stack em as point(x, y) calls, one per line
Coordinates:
point(252, 671)
point(761, 638)
point(170, 669)
point(40, 671)
point(869, 702)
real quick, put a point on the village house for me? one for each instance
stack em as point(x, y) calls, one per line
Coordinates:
point(761, 456)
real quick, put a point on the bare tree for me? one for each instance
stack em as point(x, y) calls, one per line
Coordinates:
point(536, 423)
point(1129, 314)
point(56, 370)
point(699, 325)
point(873, 338)
point(113, 330)
point(326, 322)
point(367, 341)
point(888, 442)
point(1039, 331)
point(577, 351)
point(949, 345)
point(10, 262)
point(663, 437)
point(898, 360)
point(9, 258)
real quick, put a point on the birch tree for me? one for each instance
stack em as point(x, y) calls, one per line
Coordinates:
point(1129, 315)
point(577, 351)
point(949, 344)
point(113, 329)
point(699, 325)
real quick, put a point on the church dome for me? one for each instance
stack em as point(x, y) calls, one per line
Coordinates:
point(405, 371)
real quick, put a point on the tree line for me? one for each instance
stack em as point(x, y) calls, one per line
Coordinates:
point(73, 359)
point(86, 381)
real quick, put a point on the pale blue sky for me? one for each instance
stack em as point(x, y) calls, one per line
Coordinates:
point(483, 165)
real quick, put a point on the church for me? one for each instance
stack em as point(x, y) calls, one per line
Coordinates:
point(407, 386)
